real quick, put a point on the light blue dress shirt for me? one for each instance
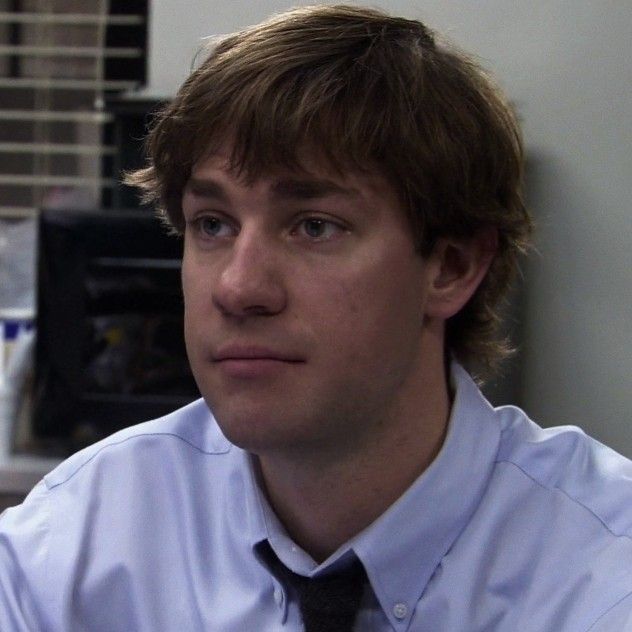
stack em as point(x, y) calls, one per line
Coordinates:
point(159, 528)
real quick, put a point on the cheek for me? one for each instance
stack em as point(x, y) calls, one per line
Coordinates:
point(196, 299)
point(190, 273)
point(377, 313)
point(197, 274)
point(383, 294)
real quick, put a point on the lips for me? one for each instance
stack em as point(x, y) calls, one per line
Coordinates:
point(248, 362)
point(254, 352)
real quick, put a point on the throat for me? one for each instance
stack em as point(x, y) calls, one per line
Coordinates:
point(323, 505)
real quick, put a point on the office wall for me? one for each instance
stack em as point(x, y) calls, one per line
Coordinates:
point(567, 66)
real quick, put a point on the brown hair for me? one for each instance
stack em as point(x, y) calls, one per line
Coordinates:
point(363, 91)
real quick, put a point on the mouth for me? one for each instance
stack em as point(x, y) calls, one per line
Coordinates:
point(253, 361)
point(252, 352)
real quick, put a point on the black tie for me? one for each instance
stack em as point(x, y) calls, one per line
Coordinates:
point(328, 603)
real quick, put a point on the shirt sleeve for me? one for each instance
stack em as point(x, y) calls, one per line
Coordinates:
point(23, 561)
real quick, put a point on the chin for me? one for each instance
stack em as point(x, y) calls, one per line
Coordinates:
point(263, 435)
point(252, 430)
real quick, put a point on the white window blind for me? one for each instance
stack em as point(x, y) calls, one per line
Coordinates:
point(58, 61)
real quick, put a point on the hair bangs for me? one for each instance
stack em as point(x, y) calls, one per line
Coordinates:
point(282, 124)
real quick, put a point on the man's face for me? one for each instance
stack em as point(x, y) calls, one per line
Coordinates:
point(304, 305)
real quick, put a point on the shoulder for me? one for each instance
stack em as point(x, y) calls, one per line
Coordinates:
point(565, 461)
point(188, 430)
point(155, 465)
point(154, 473)
point(560, 505)
point(119, 510)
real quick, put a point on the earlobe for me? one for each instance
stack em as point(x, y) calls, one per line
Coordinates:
point(457, 267)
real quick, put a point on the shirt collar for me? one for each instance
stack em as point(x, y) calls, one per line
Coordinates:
point(403, 547)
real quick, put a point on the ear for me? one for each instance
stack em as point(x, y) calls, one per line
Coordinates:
point(457, 267)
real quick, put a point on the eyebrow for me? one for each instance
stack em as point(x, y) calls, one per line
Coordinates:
point(206, 188)
point(284, 188)
point(309, 189)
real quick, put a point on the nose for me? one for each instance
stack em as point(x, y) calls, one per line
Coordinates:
point(250, 281)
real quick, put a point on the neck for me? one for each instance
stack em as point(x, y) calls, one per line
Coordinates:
point(323, 500)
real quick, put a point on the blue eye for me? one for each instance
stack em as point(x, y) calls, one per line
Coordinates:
point(211, 226)
point(319, 229)
point(315, 227)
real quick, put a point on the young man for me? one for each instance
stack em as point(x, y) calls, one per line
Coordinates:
point(349, 191)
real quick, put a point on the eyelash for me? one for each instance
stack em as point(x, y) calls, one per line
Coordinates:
point(321, 221)
point(199, 225)
point(338, 227)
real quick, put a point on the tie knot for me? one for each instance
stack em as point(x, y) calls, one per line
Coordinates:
point(328, 602)
point(336, 592)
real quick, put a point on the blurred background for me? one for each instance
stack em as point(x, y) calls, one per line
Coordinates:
point(78, 83)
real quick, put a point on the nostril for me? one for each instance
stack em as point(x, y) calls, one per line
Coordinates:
point(243, 301)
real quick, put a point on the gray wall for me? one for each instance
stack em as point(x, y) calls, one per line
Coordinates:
point(567, 66)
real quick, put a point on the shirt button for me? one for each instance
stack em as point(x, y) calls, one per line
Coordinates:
point(400, 610)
